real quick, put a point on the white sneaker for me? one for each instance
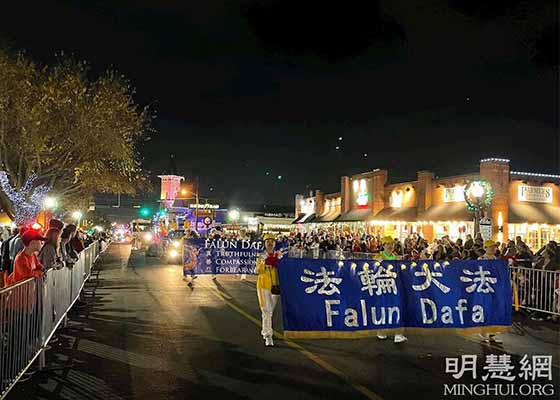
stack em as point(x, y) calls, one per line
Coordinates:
point(268, 342)
point(381, 337)
point(400, 338)
point(494, 339)
point(484, 338)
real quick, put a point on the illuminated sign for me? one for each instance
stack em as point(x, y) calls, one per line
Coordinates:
point(535, 194)
point(397, 199)
point(252, 221)
point(455, 194)
point(361, 194)
point(205, 206)
point(307, 206)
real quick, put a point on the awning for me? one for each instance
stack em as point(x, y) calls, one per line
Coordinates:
point(533, 213)
point(447, 212)
point(328, 217)
point(407, 214)
point(274, 220)
point(355, 216)
point(304, 218)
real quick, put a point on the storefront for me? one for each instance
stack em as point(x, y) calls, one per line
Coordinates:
point(534, 212)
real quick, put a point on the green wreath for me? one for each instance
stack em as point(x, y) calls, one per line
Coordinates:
point(486, 201)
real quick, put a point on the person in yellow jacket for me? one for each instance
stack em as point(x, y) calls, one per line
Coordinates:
point(268, 289)
point(389, 253)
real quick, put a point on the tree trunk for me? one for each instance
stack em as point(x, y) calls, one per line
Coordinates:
point(7, 206)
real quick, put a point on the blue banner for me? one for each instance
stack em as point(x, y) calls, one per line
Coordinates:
point(353, 298)
point(217, 256)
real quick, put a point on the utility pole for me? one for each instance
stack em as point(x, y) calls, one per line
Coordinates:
point(197, 205)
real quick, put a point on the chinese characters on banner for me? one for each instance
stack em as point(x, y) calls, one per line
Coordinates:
point(352, 298)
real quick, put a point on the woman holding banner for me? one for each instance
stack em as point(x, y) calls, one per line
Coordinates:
point(268, 289)
point(389, 253)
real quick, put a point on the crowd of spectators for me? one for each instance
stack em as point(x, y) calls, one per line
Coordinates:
point(320, 243)
point(26, 252)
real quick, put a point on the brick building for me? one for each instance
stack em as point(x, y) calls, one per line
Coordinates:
point(524, 204)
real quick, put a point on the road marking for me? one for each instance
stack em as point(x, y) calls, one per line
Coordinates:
point(311, 356)
point(497, 347)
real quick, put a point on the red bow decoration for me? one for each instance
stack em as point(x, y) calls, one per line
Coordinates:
point(271, 260)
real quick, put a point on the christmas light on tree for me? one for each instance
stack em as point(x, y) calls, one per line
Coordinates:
point(27, 201)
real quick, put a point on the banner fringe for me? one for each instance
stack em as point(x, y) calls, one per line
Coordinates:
point(494, 329)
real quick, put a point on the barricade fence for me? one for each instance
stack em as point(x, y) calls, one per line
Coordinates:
point(533, 289)
point(536, 289)
point(31, 311)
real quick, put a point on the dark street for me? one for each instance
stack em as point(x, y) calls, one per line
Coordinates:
point(146, 334)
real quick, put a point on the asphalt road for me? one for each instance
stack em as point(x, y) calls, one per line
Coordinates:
point(146, 334)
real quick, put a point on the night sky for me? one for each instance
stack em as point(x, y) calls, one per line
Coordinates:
point(247, 91)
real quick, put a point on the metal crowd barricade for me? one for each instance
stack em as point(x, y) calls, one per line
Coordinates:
point(20, 329)
point(536, 289)
point(31, 311)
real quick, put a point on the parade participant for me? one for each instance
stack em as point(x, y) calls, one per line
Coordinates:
point(489, 251)
point(489, 254)
point(243, 236)
point(388, 253)
point(191, 272)
point(268, 289)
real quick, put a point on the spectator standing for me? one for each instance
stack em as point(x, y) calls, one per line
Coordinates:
point(5, 261)
point(55, 223)
point(26, 263)
point(69, 258)
point(49, 255)
point(76, 241)
point(16, 244)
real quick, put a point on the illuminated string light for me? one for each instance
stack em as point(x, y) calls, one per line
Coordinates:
point(535, 174)
point(27, 203)
point(504, 160)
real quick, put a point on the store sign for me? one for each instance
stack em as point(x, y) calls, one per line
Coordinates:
point(205, 206)
point(455, 194)
point(252, 221)
point(535, 194)
point(486, 228)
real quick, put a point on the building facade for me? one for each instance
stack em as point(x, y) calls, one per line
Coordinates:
point(523, 204)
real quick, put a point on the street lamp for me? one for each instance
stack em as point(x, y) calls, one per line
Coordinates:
point(77, 215)
point(49, 203)
point(478, 196)
point(234, 215)
point(477, 190)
